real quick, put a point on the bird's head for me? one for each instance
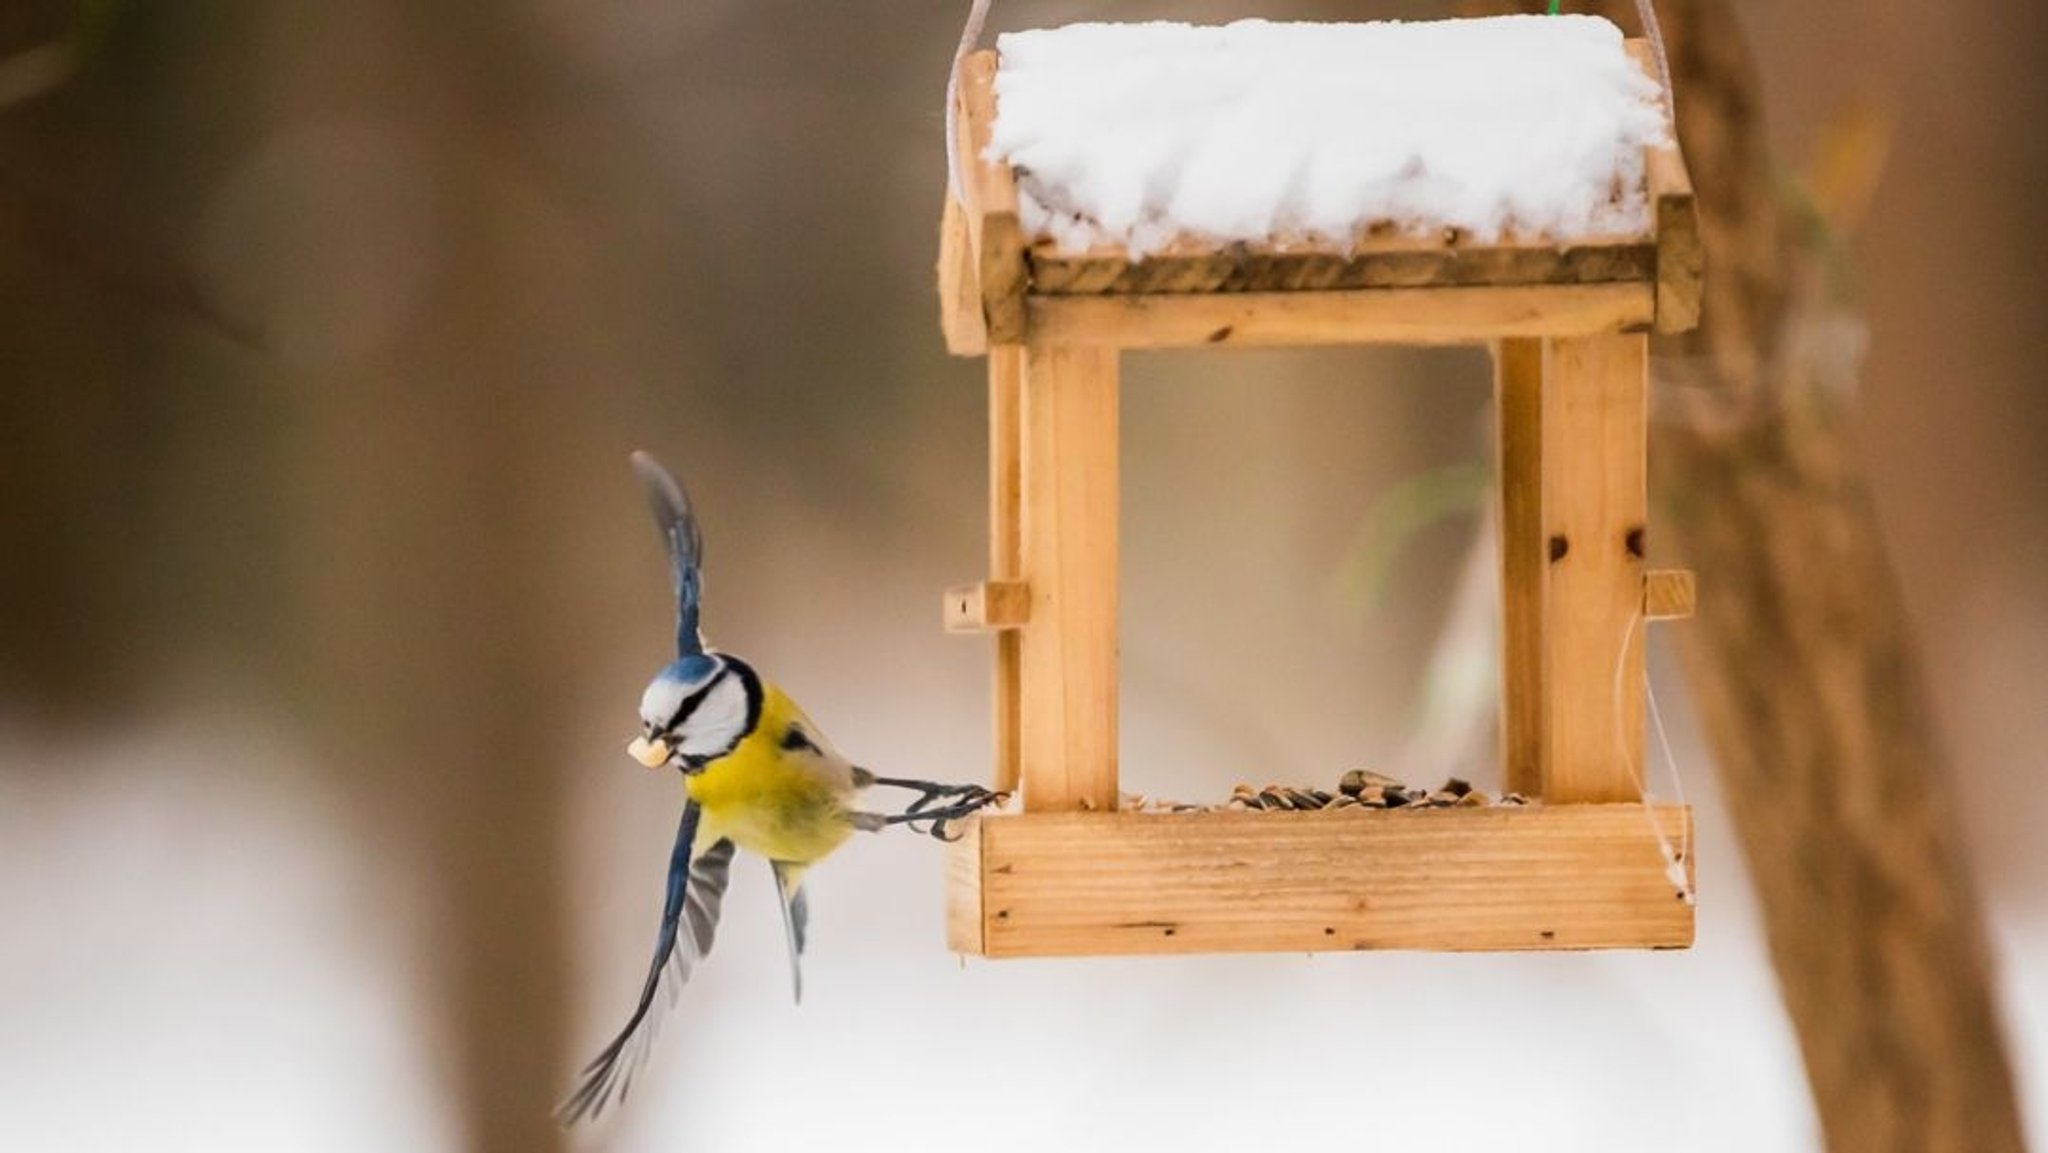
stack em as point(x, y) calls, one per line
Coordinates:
point(696, 710)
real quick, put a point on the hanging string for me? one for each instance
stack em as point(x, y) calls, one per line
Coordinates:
point(1676, 855)
point(1646, 10)
point(977, 14)
point(1674, 860)
point(1674, 864)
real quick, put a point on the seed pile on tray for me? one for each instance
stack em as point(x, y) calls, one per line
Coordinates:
point(1359, 789)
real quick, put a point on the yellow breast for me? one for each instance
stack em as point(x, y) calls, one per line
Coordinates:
point(785, 804)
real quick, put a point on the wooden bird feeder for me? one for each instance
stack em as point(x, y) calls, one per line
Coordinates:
point(1567, 324)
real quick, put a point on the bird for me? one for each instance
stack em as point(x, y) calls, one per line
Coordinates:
point(758, 774)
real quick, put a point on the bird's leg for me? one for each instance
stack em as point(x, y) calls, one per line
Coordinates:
point(934, 791)
point(937, 804)
point(967, 798)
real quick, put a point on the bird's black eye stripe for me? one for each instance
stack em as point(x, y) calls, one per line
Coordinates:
point(795, 739)
point(751, 682)
point(691, 702)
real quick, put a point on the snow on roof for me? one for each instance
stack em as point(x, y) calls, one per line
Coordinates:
point(1137, 134)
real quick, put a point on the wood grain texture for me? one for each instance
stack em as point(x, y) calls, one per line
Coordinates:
point(1518, 446)
point(1372, 316)
point(960, 319)
point(992, 199)
point(987, 606)
point(1006, 550)
point(1535, 877)
point(1068, 650)
point(1680, 259)
point(1374, 260)
point(964, 917)
point(1668, 594)
point(1595, 506)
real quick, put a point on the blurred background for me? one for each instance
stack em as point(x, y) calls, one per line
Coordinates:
point(326, 596)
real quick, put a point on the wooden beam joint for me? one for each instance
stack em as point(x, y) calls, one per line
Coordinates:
point(993, 230)
point(987, 606)
point(1668, 594)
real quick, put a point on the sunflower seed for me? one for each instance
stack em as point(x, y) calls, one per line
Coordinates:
point(1358, 780)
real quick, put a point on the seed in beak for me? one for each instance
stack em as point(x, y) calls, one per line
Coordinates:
point(652, 754)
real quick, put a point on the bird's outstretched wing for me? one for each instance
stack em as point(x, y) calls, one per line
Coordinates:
point(685, 540)
point(689, 917)
point(796, 918)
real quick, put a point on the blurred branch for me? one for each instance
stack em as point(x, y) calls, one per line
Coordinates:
point(44, 68)
point(1843, 176)
point(1397, 518)
point(30, 73)
point(125, 265)
point(1457, 731)
point(53, 217)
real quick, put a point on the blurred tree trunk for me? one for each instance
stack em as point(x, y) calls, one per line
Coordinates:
point(433, 457)
point(1802, 662)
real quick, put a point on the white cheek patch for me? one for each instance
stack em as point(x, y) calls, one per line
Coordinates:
point(718, 722)
point(659, 703)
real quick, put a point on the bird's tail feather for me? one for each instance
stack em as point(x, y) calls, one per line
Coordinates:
point(796, 916)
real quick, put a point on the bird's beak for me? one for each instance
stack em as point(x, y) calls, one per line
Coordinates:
point(653, 754)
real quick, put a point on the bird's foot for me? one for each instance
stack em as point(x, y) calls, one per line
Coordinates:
point(938, 805)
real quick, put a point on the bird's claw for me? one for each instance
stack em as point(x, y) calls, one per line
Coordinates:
point(926, 810)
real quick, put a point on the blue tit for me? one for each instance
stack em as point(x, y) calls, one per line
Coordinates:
point(757, 775)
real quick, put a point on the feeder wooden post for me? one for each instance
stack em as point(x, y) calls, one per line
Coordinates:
point(1518, 408)
point(1006, 551)
point(1068, 648)
point(1595, 431)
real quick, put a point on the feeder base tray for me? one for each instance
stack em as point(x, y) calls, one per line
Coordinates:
point(1452, 879)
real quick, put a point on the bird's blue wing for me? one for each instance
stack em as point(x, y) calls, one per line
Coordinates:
point(689, 918)
point(685, 547)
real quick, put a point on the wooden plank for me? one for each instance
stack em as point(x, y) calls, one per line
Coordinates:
point(1518, 412)
point(1595, 428)
point(998, 237)
point(1006, 554)
point(1068, 650)
point(1534, 877)
point(987, 606)
point(960, 316)
point(1681, 254)
point(1668, 594)
point(1681, 258)
point(1371, 316)
point(964, 917)
point(1375, 260)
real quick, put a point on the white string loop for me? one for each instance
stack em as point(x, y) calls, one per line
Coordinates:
point(977, 15)
point(1674, 856)
point(1646, 11)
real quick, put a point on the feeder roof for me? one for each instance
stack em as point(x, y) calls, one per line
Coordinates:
point(1140, 135)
